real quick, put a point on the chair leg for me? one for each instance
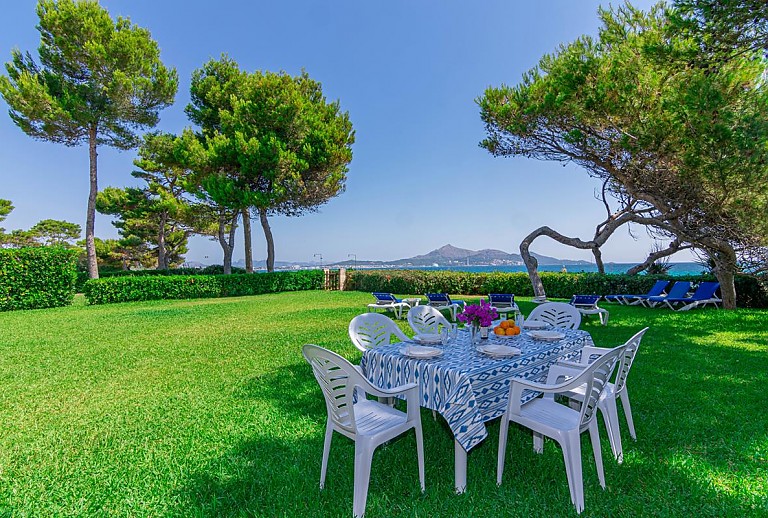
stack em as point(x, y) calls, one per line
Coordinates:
point(594, 436)
point(572, 455)
point(363, 459)
point(503, 431)
point(611, 417)
point(420, 453)
point(326, 451)
point(538, 443)
point(628, 412)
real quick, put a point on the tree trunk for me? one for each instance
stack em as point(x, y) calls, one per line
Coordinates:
point(90, 218)
point(227, 242)
point(531, 264)
point(162, 262)
point(598, 260)
point(270, 240)
point(725, 271)
point(248, 244)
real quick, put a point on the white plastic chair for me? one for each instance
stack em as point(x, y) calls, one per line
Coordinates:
point(546, 417)
point(427, 320)
point(368, 423)
point(557, 314)
point(373, 329)
point(618, 388)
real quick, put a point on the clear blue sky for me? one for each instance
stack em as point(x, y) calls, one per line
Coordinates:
point(407, 71)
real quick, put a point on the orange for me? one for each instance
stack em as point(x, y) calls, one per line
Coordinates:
point(516, 330)
point(499, 330)
point(504, 324)
point(510, 331)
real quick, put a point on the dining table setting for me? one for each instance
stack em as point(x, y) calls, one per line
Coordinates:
point(466, 378)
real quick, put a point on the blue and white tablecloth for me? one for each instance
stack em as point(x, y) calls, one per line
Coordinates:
point(467, 387)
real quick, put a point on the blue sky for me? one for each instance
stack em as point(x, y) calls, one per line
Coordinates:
point(408, 72)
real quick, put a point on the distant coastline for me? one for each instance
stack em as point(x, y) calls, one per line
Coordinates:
point(678, 269)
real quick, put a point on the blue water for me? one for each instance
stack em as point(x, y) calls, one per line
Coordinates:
point(677, 268)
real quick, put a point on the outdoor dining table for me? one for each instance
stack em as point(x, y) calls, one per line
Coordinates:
point(467, 387)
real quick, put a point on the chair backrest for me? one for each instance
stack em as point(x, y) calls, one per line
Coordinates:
point(558, 314)
point(426, 319)
point(584, 300)
point(438, 299)
point(679, 290)
point(658, 288)
point(337, 379)
point(706, 290)
point(501, 300)
point(371, 330)
point(626, 359)
point(596, 377)
point(384, 297)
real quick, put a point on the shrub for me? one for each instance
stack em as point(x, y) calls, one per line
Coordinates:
point(215, 269)
point(558, 285)
point(156, 287)
point(36, 277)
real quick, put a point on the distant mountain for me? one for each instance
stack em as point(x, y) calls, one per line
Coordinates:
point(450, 255)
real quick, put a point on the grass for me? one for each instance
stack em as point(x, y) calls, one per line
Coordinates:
point(206, 408)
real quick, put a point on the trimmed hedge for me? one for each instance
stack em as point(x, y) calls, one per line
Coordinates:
point(558, 285)
point(214, 269)
point(37, 277)
point(157, 287)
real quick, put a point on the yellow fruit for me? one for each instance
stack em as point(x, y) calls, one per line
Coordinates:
point(498, 330)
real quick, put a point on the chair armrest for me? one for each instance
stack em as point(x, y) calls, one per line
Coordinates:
point(518, 385)
point(381, 392)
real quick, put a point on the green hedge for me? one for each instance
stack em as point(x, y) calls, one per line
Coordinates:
point(215, 269)
point(558, 285)
point(37, 277)
point(156, 287)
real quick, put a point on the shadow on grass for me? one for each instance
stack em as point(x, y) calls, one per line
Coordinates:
point(695, 454)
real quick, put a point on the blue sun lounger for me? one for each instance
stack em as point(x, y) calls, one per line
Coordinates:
point(387, 301)
point(678, 291)
point(704, 294)
point(587, 305)
point(442, 301)
point(633, 300)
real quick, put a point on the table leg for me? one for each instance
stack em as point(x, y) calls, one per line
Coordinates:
point(460, 467)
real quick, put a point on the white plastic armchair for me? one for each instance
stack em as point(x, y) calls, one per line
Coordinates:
point(427, 320)
point(546, 417)
point(368, 423)
point(373, 329)
point(617, 389)
point(557, 314)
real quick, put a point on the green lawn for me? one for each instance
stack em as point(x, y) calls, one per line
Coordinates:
point(207, 408)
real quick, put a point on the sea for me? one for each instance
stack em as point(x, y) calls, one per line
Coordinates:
point(677, 268)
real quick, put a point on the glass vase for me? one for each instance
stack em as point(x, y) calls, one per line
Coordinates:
point(474, 333)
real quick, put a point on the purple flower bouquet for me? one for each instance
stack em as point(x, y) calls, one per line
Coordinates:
point(479, 315)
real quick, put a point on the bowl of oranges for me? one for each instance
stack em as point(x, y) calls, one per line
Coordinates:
point(506, 329)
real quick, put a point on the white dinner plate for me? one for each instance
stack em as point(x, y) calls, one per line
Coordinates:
point(534, 324)
point(548, 336)
point(498, 350)
point(420, 351)
point(428, 338)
